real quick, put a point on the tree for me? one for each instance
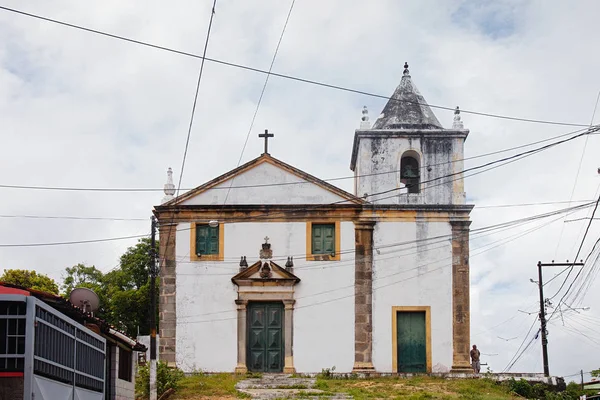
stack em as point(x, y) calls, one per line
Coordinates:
point(128, 288)
point(89, 277)
point(30, 280)
point(124, 292)
point(596, 373)
point(81, 275)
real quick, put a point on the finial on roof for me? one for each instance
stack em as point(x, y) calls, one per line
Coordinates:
point(169, 188)
point(406, 72)
point(364, 120)
point(289, 264)
point(457, 124)
point(243, 263)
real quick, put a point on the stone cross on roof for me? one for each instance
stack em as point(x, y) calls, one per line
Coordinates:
point(266, 135)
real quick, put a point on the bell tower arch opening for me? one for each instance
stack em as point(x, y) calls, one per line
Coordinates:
point(410, 171)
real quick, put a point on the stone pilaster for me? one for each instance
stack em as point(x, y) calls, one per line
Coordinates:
point(167, 316)
point(461, 320)
point(288, 366)
point(363, 297)
point(241, 367)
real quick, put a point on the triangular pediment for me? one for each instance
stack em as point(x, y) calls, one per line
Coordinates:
point(257, 273)
point(265, 180)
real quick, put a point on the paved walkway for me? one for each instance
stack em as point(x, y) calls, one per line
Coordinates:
point(280, 386)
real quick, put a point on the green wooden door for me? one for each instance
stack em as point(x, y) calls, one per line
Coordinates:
point(412, 342)
point(265, 337)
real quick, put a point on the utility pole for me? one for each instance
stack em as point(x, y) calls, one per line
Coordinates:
point(582, 380)
point(153, 274)
point(542, 314)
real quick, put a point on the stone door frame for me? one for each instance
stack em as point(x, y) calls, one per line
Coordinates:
point(288, 301)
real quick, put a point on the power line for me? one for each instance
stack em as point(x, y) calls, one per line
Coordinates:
point(517, 355)
point(262, 93)
point(70, 217)
point(578, 251)
point(73, 218)
point(460, 177)
point(73, 242)
point(515, 156)
point(187, 141)
point(578, 170)
point(284, 76)
point(92, 189)
point(504, 240)
point(483, 229)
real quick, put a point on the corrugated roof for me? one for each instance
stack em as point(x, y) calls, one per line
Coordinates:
point(69, 309)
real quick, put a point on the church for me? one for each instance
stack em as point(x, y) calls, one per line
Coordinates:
point(267, 268)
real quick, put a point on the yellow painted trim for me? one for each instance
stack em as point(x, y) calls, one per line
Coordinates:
point(338, 242)
point(395, 310)
point(241, 216)
point(207, 257)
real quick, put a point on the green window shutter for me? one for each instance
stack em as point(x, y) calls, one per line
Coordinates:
point(323, 238)
point(207, 239)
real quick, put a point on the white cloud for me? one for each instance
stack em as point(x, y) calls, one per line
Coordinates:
point(79, 109)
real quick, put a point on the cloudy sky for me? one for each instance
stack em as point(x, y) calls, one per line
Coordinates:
point(82, 110)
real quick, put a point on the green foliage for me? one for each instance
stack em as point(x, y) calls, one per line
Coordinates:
point(81, 275)
point(521, 387)
point(327, 373)
point(417, 387)
point(540, 391)
point(124, 292)
point(596, 373)
point(29, 280)
point(166, 378)
point(210, 385)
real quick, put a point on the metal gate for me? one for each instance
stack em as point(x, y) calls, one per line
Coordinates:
point(61, 359)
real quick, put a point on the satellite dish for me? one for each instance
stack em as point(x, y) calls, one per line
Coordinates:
point(85, 298)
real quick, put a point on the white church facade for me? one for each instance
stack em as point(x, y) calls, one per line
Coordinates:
point(269, 269)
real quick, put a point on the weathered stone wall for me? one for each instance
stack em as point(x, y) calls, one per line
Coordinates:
point(461, 320)
point(363, 297)
point(167, 306)
point(379, 158)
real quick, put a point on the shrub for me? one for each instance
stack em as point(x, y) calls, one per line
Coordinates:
point(327, 373)
point(166, 378)
point(521, 387)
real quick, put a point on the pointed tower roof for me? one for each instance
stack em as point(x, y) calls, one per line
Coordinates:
point(407, 109)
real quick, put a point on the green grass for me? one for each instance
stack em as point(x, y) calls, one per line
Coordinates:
point(421, 387)
point(204, 385)
point(201, 386)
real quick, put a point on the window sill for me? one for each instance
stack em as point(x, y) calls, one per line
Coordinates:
point(207, 257)
point(322, 257)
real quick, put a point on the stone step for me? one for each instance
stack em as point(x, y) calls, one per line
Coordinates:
point(270, 394)
point(280, 386)
point(276, 382)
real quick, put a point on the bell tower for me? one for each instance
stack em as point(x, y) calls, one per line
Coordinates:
point(407, 157)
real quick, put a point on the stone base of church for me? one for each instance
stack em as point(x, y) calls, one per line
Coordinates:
point(289, 370)
point(241, 369)
point(363, 367)
point(461, 369)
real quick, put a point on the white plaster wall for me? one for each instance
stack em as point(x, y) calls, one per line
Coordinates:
point(206, 312)
point(380, 155)
point(265, 173)
point(324, 315)
point(412, 275)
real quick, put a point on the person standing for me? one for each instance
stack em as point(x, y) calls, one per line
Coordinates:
point(475, 359)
